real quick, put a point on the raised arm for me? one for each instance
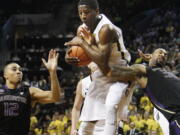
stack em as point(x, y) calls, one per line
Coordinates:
point(76, 108)
point(52, 95)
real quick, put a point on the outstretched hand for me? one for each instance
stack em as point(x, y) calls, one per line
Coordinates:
point(52, 62)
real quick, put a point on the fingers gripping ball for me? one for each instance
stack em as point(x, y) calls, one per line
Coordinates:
point(78, 52)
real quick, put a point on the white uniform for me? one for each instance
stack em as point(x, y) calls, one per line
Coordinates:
point(88, 126)
point(93, 108)
point(85, 85)
point(163, 122)
point(103, 92)
point(104, 20)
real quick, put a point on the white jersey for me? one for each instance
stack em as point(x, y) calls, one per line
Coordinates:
point(85, 88)
point(116, 49)
point(85, 85)
point(93, 109)
point(94, 103)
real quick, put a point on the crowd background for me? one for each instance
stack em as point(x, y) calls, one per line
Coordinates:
point(146, 25)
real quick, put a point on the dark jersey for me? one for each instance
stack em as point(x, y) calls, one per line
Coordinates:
point(15, 110)
point(163, 89)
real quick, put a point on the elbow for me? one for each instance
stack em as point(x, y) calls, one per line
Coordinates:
point(56, 99)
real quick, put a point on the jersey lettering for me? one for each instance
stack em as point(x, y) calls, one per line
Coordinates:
point(11, 109)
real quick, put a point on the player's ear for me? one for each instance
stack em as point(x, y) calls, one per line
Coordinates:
point(5, 75)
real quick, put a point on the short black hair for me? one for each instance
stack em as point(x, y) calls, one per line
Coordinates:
point(93, 4)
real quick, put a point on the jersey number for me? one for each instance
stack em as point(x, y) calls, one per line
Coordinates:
point(11, 109)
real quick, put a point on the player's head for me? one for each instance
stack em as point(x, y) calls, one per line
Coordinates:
point(158, 58)
point(13, 73)
point(88, 11)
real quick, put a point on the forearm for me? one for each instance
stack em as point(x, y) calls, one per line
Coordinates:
point(55, 86)
point(122, 73)
point(92, 51)
point(99, 56)
point(75, 119)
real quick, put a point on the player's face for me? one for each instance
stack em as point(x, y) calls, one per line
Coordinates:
point(13, 73)
point(87, 15)
point(160, 56)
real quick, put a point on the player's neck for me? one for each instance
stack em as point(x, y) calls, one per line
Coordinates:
point(11, 85)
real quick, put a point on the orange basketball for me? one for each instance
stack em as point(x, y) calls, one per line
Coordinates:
point(78, 52)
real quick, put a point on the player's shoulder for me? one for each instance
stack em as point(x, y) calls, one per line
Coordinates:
point(107, 34)
point(107, 28)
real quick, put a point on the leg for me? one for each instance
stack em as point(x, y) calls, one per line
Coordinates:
point(99, 128)
point(116, 92)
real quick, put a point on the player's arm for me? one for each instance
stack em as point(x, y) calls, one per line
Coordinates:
point(125, 74)
point(76, 108)
point(98, 53)
point(73, 60)
point(52, 95)
point(107, 35)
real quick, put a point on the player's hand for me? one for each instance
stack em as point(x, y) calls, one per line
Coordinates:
point(71, 60)
point(76, 41)
point(52, 62)
point(145, 57)
point(87, 35)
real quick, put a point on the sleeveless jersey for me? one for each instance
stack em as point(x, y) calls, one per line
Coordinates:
point(100, 85)
point(85, 85)
point(93, 109)
point(118, 49)
point(163, 89)
point(15, 110)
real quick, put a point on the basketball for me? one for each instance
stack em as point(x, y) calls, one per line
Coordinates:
point(78, 52)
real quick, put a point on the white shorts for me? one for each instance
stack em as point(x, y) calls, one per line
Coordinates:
point(117, 97)
point(91, 128)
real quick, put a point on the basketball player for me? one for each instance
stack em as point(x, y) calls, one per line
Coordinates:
point(103, 43)
point(16, 100)
point(89, 125)
point(162, 87)
point(158, 116)
point(93, 112)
